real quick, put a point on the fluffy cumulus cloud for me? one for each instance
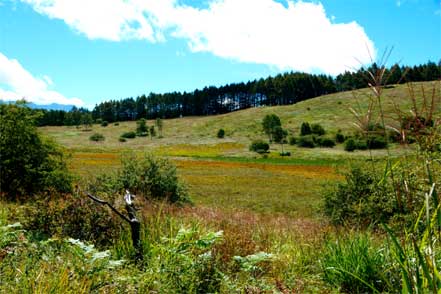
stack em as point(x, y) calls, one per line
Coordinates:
point(17, 83)
point(299, 35)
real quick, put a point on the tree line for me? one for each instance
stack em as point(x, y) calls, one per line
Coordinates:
point(282, 89)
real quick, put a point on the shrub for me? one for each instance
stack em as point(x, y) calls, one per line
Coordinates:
point(306, 142)
point(326, 142)
point(292, 140)
point(116, 124)
point(305, 129)
point(29, 162)
point(72, 215)
point(376, 142)
point(317, 129)
point(286, 153)
point(129, 135)
point(122, 139)
point(152, 177)
point(259, 146)
point(362, 199)
point(104, 123)
point(221, 133)
point(361, 144)
point(339, 137)
point(350, 145)
point(98, 120)
point(97, 137)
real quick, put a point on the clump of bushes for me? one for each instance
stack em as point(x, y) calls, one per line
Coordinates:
point(306, 141)
point(292, 140)
point(122, 140)
point(97, 137)
point(128, 135)
point(73, 215)
point(317, 129)
point(104, 123)
point(259, 146)
point(325, 142)
point(221, 133)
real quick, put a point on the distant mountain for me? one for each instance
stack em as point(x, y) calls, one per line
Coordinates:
point(52, 106)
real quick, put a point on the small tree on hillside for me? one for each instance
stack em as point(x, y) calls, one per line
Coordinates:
point(87, 121)
point(279, 136)
point(269, 123)
point(152, 132)
point(305, 129)
point(159, 125)
point(142, 129)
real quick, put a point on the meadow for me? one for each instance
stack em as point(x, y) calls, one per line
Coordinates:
point(270, 209)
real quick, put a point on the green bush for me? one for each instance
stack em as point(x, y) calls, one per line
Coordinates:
point(362, 199)
point(361, 144)
point(325, 142)
point(259, 146)
point(286, 153)
point(116, 124)
point(129, 135)
point(339, 137)
point(121, 139)
point(292, 140)
point(97, 137)
point(150, 177)
point(220, 133)
point(306, 141)
point(305, 129)
point(376, 142)
point(29, 162)
point(350, 145)
point(104, 123)
point(317, 129)
point(356, 265)
point(72, 215)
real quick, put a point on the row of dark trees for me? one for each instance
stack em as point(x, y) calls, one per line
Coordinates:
point(283, 89)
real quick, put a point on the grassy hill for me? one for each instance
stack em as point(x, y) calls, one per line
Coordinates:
point(182, 134)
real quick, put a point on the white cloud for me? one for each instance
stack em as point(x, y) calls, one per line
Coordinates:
point(298, 36)
point(17, 83)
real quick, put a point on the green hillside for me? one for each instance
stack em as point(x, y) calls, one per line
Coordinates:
point(180, 135)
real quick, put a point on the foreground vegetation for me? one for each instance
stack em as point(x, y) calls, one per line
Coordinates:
point(322, 220)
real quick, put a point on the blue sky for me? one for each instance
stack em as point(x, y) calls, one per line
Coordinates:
point(86, 51)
